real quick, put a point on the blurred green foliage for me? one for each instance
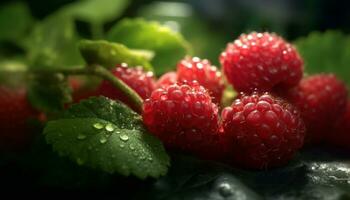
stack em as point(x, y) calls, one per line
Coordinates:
point(326, 52)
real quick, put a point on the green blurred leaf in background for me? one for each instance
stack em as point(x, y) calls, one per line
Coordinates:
point(326, 52)
point(96, 12)
point(15, 21)
point(49, 92)
point(169, 47)
point(53, 44)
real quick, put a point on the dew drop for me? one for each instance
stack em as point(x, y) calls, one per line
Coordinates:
point(81, 136)
point(109, 127)
point(225, 189)
point(122, 146)
point(124, 137)
point(98, 126)
point(131, 147)
point(150, 159)
point(103, 140)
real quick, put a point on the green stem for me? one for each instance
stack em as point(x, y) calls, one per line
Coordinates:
point(132, 96)
point(97, 70)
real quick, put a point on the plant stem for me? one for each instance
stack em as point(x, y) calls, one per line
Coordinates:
point(132, 96)
point(97, 70)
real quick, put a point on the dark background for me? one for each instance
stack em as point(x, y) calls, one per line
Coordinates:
point(209, 24)
point(293, 18)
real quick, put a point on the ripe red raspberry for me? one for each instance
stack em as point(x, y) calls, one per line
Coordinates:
point(265, 131)
point(167, 79)
point(195, 69)
point(321, 100)
point(142, 82)
point(184, 118)
point(340, 135)
point(261, 61)
point(15, 111)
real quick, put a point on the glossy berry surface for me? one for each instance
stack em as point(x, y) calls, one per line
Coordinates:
point(207, 75)
point(264, 131)
point(135, 77)
point(15, 111)
point(167, 79)
point(184, 117)
point(322, 100)
point(261, 61)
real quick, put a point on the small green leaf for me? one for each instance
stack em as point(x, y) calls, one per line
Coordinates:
point(109, 54)
point(15, 19)
point(53, 44)
point(107, 135)
point(326, 52)
point(169, 46)
point(96, 11)
point(49, 92)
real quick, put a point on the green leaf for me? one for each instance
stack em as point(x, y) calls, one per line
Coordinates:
point(53, 44)
point(49, 92)
point(96, 11)
point(15, 20)
point(169, 46)
point(104, 134)
point(326, 52)
point(109, 54)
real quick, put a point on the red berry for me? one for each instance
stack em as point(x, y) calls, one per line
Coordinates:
point(190, 69)
point(142, 82)
point(321, 100)
point(167, 79)
point(265, 131)
point(261, 61)
point(184, 118)
point(340, 135)
point(15, 111)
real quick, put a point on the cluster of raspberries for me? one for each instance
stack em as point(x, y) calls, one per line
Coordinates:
point(276, 111)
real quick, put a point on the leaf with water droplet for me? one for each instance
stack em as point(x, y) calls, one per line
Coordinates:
point(124, 137)
point(108, 138)
point(103, 139)
point(109, 127)
point(98, 126)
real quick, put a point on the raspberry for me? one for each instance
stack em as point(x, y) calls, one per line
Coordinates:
point(142, 82)
point(265, 131)
point(167, 79)
point(321, 100)
point(340, 135)
point(261, 61)
point(15, 110)
point(190, 69)
point(184, 118)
